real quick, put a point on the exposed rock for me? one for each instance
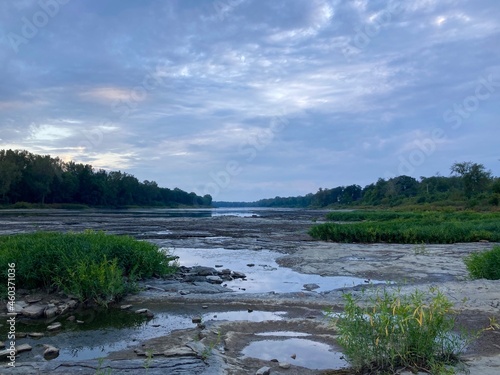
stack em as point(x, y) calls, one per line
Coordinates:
point(125, 307)
point(311, 286)
point(196, 319)
point(179, 352)
point(284, 365)
point(71, 318)
point(54, 326)
point(31, 300)
point(34, 311)
point(2, 345)
point(203, 271)
point(36, 335)
point(250, 265)
point(150, 287)
point(146, 312)
point(184, 292)
point(50, 352)
point(293, 356)
point(80, 322)
point(263, 371)
point(6, 353)
point(214, 279)
point(239, 275)
point(23, 348)
point(50, 312)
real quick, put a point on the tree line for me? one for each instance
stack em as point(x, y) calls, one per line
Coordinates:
point(31, 178)
point(469, 184)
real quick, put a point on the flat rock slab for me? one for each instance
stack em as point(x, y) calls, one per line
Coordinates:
point(171, 366)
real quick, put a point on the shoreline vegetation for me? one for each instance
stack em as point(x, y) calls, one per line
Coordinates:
point(94, 267)
point(409, 227)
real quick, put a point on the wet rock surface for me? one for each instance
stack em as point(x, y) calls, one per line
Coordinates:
point(214, 346)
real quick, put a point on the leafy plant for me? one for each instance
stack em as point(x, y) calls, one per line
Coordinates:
point(484, 265)
point(93, 266)
point(395, 331)
point(409, 227)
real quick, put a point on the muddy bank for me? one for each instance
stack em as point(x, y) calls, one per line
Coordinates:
point(294, 316)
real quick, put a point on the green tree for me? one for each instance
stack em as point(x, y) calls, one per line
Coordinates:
point(474, 176)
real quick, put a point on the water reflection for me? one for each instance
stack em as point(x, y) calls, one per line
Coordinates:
point(308, 353)
point(263, 273)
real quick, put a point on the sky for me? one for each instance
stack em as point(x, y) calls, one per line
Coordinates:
point(251, 99)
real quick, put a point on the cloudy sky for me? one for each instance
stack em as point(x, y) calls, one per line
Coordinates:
point(250, 99)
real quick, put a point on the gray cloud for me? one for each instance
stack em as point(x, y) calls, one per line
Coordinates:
point(174, 91)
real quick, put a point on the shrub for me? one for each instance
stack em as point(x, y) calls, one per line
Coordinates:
point(484, 265)
point(396, 331)
point(91, 265)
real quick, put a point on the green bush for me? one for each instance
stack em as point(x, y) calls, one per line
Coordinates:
point(91, 265)
point(484, 265)
point(395, 331)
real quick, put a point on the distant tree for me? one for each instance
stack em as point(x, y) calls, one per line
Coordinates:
point(10, 172)
point(474, 176)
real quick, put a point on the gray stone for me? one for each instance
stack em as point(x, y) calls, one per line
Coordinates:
point(184, 292)
point(80, 322)
point(284, 365)
point(50, 352)
point(54, 326)
point(6, 353)
point(23, 348)
point(36, 335)
point(179, 352)
point(239, 275)
point(50, 312)
point(214, 279)
point(196, 319)
point(263, 371)
point(203, 271)
point(34, 311)
point(311, 286)
point(125, 307)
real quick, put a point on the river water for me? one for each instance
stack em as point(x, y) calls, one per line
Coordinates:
point(207, 237)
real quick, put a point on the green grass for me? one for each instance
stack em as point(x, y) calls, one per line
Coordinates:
point(484, 265)
point(409, 227)
point(91, 265)
point(395, 331)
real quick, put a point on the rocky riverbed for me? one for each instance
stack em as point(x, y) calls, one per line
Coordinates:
point(215, 320)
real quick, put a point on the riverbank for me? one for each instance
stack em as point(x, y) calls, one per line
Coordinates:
point(217, 346)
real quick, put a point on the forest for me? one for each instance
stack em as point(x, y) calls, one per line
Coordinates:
point(27, 178)
point(469, 185)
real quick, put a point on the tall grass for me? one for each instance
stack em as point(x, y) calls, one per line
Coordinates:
point(395, 331)
point(409, 227)
point(91, 265)
point(484, 265)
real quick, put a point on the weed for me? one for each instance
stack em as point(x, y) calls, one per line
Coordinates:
point(421, 249)
point(484, 265)
point(396, 331)
point(92, 265)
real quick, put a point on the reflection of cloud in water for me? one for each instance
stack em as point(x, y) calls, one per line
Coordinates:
point(309, 353)
point(266, 275)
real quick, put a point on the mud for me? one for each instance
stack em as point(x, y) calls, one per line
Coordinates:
point(217, 345)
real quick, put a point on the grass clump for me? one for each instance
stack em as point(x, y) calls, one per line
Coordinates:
point(93, 266)
point(484, 265)
point(395, 331)
point(409, 227)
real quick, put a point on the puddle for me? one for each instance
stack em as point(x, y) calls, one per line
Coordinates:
point(107, 331)
point(263, 273)
point(309, 354)
point(284, 333)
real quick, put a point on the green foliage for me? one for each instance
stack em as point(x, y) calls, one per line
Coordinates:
point(395, 331)
point(42, 179)
point(484, 265)
point(91, 265)
point(409, 227)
